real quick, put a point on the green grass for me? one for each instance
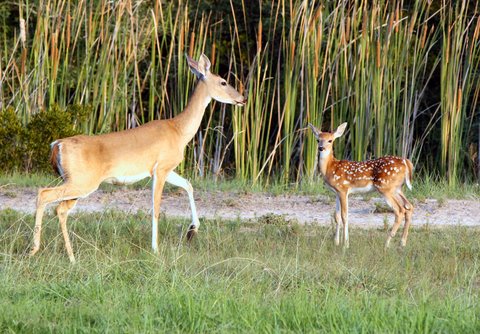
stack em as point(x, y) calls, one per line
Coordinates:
point(262, 276)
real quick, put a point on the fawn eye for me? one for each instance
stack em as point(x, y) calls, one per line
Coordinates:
point(330, 141)
point(224, 83)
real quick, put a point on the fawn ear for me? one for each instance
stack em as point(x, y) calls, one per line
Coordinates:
point(315, 131)
point(197, 68)
point(340, 130)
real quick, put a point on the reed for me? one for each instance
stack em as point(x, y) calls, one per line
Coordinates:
point(377, 65)
point(459, 75)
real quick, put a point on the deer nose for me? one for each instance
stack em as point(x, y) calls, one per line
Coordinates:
point(242, 101)
point(321, 148)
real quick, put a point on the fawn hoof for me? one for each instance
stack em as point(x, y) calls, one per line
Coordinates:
point(403, 243)
point(192, 231)
point(33, 251)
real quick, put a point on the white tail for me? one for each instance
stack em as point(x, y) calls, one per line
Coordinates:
point(386, 175)
point(152, 150)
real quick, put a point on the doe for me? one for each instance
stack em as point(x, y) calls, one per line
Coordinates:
point(385, 175)
point(152, 150)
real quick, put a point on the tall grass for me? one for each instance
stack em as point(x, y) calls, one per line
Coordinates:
point(375, 65)
point(460, 70)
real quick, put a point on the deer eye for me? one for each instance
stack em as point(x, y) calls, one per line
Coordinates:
point(330, 141)
point(224, 83)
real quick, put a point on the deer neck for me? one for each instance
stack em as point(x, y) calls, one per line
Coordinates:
point(325, 161)
point(188, 121)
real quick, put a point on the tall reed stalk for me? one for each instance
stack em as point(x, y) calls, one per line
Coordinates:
point(459, 77)
point(371, 64)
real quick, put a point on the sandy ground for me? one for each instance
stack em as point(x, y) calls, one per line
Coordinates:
point(229, 206)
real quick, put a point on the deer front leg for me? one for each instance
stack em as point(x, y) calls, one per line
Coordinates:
point(338, 220)
point(177, 180)
point(344, 214)
point(157, 188)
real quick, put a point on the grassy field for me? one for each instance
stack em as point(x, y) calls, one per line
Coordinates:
point(267, 275)
point(403, 74)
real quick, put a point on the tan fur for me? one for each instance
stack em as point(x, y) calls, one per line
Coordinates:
point(153, 149)
point(385, 175)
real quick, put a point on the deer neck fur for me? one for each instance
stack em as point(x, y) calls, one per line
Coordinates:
point(325, 161)
point(188, 121)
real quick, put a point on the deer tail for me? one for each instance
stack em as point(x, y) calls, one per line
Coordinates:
point(56, 158)
point(409, 173)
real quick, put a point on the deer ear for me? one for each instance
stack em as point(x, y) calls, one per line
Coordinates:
point(340, 130)
point(196, 68)
point(204, 63)
point(315, 131)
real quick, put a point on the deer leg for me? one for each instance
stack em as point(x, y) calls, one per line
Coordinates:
point(177, 180)
point(338, 221)
point(38, 223)
point(63, 210)
point(344, 214)
point(50, 195)
point(399, 213)
point(408, 217)
point(157, 189)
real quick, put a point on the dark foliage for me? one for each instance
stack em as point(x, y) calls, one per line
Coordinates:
point(28, 148)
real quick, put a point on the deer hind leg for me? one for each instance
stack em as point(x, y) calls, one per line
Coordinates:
point(338, 220)
point(51, 195)
point(63, 210)
point(408, 217)
point(177, 180)
point(399, 211)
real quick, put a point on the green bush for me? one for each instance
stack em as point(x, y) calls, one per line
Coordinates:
point(43, 129)
point(11, 143)
point(28, 148)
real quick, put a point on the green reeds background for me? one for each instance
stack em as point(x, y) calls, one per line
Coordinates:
point(403, 74)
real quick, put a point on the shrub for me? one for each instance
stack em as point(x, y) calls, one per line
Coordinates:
point(28, 148)
point(11, 143)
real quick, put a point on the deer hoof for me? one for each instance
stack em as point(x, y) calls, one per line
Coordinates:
point(33, 251)
point(192, 231)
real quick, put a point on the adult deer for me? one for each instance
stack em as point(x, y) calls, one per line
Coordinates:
point(343, 177)
point(151, 150)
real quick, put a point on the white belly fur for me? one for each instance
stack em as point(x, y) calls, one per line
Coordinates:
point(362, 189)
point(127, 179)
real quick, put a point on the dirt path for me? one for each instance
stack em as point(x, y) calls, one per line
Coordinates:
point(305, 209)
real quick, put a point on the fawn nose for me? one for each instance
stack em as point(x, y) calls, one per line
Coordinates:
point(321, 148)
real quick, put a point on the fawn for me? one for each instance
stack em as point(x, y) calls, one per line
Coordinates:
point(385, 175)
